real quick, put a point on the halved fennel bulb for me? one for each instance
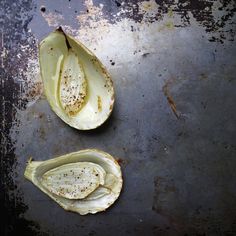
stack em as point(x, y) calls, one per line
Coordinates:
point(87, 181)
point(77, 85)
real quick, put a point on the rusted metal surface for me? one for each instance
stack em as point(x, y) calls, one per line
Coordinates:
point(173, 128)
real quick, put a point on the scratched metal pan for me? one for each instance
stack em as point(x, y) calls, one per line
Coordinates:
point(172, 129)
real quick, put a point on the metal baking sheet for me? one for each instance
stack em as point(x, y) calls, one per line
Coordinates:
point(173, 128)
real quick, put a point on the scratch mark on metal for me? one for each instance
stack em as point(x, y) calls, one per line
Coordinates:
point(3, 49)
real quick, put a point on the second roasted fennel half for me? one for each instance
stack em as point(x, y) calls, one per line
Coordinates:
point(77, 85)
point(88, 181)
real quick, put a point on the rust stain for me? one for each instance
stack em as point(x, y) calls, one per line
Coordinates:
point(121, 161)
point(35, 91)
point(170, 100)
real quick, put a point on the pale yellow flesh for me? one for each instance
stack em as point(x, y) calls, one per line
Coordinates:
point(73, 85)
point(74, 180)
point(98, 198)
point(85, 100)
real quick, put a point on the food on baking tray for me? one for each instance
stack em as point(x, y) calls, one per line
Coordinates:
point(77, 85)
point(87, 181)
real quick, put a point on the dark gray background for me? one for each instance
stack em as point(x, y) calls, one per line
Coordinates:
point(178, 165)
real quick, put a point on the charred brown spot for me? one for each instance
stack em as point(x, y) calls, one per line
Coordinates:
point(121, 161)
point(103, 70)
point(94, 60)
point(99, 104)
point(72, 113)
point(111, 106)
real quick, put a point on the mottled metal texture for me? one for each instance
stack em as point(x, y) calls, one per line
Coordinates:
point(173, 128)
